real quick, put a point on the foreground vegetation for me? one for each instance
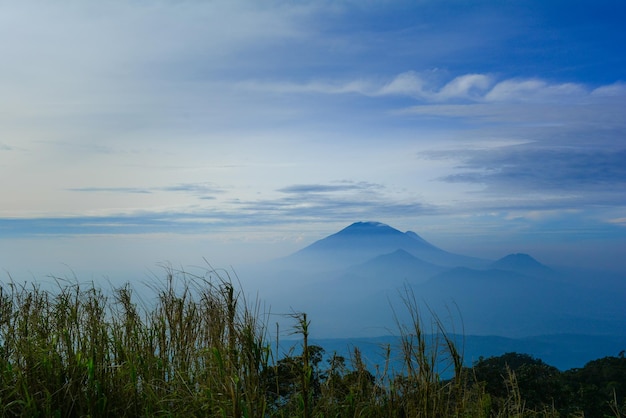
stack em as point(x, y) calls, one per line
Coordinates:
point(196, 347)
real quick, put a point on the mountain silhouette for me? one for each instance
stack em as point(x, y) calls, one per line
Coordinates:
point(349, 280)
point(398, 265)
point(362, 241)
point(522, 263)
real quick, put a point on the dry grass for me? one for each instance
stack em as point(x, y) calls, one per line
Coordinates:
point(196, 347)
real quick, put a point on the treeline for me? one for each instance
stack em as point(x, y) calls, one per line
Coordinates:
point(196, 347)
point(512, 384)
point(596, 390)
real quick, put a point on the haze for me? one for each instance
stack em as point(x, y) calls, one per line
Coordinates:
point(138, 133)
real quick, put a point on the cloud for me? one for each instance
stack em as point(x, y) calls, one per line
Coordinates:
point(315, 207)
point(533, 90)
point(577, 177)
point(469, 86)
point(405, 84)
point(200, 189)
point(409, 84)
point(361, 87)
point(472, 88)
point(618, 221)
point(338, 201)
point(125, 72)
point(132, 190)
point(412, 84)
point(239, 214)
point(196, 188)
point(163, 95)
point(344, 200)
point(549, 114)
point(326, 188)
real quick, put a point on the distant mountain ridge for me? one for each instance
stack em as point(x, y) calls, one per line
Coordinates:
point(399, 263)
point(351, 281)
point(362, 241)
point(521, 263)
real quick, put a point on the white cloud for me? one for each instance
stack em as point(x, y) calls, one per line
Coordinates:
point(612, 90)
point(520, 90)
point(409, 84)
point(577, 111)
point(405, 84)
point(94, 58)
point(469, 86)
point(361, 87)
point(122, 96)
point(511, 89)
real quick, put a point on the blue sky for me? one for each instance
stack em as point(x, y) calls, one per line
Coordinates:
point(138, 132)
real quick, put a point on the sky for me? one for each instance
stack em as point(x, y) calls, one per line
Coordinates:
point(134, 133)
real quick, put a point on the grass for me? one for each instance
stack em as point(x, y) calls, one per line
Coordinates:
point(197, 347)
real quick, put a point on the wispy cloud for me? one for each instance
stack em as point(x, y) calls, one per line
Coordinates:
point(573, 177)
point(140, 223)
point(337, 201)
point(199, 189)
point(184, 116)
point(532, 90)
point(195, 188)
point(343, 200)
point(412, 84)
point(326, 188)
point(469, 86)
point(310, 206)
point(472, 88)
point(132, 190)
point(617, 89)
point(618, 221)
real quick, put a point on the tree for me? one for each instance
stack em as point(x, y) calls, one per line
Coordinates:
point(283, 382)
point(539, 384)
point(599, 388)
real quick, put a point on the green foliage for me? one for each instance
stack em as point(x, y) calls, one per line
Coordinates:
point(596, 390)
point(199, 349)
point(599, 388)
point(539, 383)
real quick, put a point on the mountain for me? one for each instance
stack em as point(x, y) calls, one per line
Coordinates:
point(522, 263)
point(358, 281)
point(398, 265)
point(362, 241)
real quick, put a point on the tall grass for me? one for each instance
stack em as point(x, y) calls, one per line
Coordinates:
point(196, 347)
point(78, 352)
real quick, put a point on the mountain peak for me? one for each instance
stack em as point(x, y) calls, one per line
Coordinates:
point(367, 227)
point(397, 264)
point(369, 224)
point(521, 262)
point(361, 241)
point(519, 258)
